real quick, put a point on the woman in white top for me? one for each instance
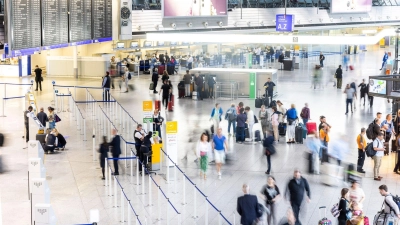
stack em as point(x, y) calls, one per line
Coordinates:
point(275, 122)
point(356, 194)
point(125, 78)
point(202, 149)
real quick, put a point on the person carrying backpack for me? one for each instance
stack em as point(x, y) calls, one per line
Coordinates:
point(305, 114)
point(390, 206)
point(231, 116)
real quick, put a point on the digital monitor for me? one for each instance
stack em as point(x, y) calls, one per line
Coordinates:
point(120, 45)
point(147, 44)
point(134, 44)
point(195, 8)
point(377, 86)
point(160, 43)
point(351, 6)
point(173, 43)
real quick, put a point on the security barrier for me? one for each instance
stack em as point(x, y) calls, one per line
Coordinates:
point(5, 97)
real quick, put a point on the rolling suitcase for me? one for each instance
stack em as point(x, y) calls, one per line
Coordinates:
point(170, 106)
point(304, 130)
point(181, 92)
point(282, 129)
point(394, 147)
point(157, 104)
point(310, 163)
point(311, 127)
point(260, 100)
point(324, 220)
point(298, 134)
point(171, 99)
point(351, 67)
point(257, 135)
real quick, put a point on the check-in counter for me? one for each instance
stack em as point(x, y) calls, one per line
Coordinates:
point(249, 81)
point(9, 70)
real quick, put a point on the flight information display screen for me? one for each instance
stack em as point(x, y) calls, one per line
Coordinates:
point(55, 23)
point(102, 19)
point(80, 18)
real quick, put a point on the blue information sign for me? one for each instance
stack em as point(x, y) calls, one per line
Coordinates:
point(284, 23)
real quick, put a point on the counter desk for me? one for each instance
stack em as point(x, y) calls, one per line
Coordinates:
point(249, 81)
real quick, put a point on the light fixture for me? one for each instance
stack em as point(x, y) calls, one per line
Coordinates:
point(190, 24)
point(351, 18)
point(380, 17)
point(388, 17)
point(274, 21)
point(331, 19)
point(220, 23)
point(310, 21)
point(262, 23)
point(249, 23)
point(173, 25)
point(298, 21)
point(139, 27)
point(235, 24)
point(320, 20)
point(341, 18)
point(205, 24)
point(157, 27)
point(272, 39)
point(361, 18)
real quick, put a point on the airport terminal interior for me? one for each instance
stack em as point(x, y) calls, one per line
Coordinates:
point(238, 47)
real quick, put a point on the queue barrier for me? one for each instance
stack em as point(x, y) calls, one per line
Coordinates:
point(5, 98)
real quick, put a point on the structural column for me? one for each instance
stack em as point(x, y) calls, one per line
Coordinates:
point(75, 60)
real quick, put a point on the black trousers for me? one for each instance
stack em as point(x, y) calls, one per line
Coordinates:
point(371, 100)
point(397, 167)
point(362, 96)
point(155, 87)
point(39, 83)
point(296, 211)
point(210, 91)
point(342, 221)
point(270, 95)
point(165, 101)
point(361, 159)
point(199, 95)
point(27, 132)
point(269, 163)
point(115, 163)
point(106, 95)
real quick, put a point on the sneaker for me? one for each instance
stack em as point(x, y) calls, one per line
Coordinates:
point(103, 178)
point(219, 173)
point(378, 179)
point(196, 160)
point(230, 134)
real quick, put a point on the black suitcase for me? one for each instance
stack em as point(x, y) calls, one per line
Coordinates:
point(246, 132)
point(394, 147)
point(298, 134)
point(41, 138)
point(310, 163)
point(325, 156)
point(282, 129)
point(257, 135)
point(258, 103)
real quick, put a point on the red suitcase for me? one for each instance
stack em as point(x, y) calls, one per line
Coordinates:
point(351, 67)
point(311, 127)
point(170, 107)
point(158, 104)
point(172, 99)
point(161, 69)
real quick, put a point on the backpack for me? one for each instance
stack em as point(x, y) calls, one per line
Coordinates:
point(370, 131)
point(369, 150)
point(129, 76)
point(231, 116)
point(335, 210)
point(272, 104)
point(396, 200)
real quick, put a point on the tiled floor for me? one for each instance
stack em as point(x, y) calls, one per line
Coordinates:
point(74, 178)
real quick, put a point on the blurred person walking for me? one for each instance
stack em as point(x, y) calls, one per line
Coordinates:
point(350, 94)
point(346, 61)
point(125, 78)
point(316, 77)
point(289, 219)
point(305, 113)
point(292, 121)
point(219, 146)
point(51, 118)
point(264, 118)
point(42, 117)
point(339, 77)
point(187, 78)
point(27, 115)
point(270, 194)
point(165, 90)
point(240, 129)
point(250, 121)
point(115, 150)
point(154, 78)
point(321, 59)
point(362, 144)
point(338, 148)
point(314, 145)
point(268, 144)
point(231, 117)
point(363, 90)
point(295, 192)
point(247, 207)
point(216, 114)
point(343, 206)
point(103, 150)
point(384, 60)
point(203, 148)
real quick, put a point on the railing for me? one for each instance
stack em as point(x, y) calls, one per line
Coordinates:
point(78, 116)
point(5, 97)
point(226, 90)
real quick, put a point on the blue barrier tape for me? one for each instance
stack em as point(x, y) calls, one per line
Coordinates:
point(15, 84)
point(14, 97)
point(201, 192)
point(63, 95)
point(66, 86)
point(92, 101)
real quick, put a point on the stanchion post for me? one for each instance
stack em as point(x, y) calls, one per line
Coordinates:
point(195, 202)
point(115, 192)
point(131, 164)
point(179, 219)
point(137, 175)
point(184, 188)
point(129, 212)
point(143, 174)
point(206, 214)
point(150, 190)
point(105, 172)
point(122, 206)
point(234, 218)
point(176, 179)
point(219, 218)
point(167, 164)
point(167, 211)
point(84, 129)
point(109, 182)
point(94, 143)
point(159, 203)
point(126, 154)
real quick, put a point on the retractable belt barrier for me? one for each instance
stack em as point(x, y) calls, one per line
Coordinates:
point(5, 97)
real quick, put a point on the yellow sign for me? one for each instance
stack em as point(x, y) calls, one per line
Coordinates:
point(296, 47)
point(147, 106)
point(382, 42)
point(172, 127)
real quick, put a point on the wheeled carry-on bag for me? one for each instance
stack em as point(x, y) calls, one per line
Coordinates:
point(260, 100)
point(298, 134)
point(324, 220)
point(382, 218)
point(311, 127)
point(282, 129)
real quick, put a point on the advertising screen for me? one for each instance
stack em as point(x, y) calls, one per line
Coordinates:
point(120, 45)
point(351, 6)
point(147, 44)
point(134, 44)
point(185, 8)
point(377, 86)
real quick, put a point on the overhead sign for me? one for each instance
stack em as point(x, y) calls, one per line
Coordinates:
point(284, 23)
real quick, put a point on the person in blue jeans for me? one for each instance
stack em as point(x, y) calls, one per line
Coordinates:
point(231, 116)
point(350, 93)
point(241, 121)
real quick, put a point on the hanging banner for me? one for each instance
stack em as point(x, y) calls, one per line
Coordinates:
point(284, 23)
point(172, 141)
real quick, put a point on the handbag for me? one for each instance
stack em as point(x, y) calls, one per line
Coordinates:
point(41, 79)
point(290, 121)
point(57, 118)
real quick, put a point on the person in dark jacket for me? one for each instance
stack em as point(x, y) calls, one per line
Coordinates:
point(240, 126)
point(106, 87)
point(157, 122)
point(363, 90)
point(247, 207)
point(61, 140)
point(165, 76)
point(281, 59)
point(199, 84)
point(343, 206)
point(103, 150)
point(50, 142)
point(116, 149)
point(339, 77)
point(38, 77)
point(42, 117)
point(268, 144)
point(211, 83)
point(295, 193)
point(154, 78)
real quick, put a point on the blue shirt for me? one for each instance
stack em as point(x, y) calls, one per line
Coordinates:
point(390, 125)
point(219, 142)
point(291, 113)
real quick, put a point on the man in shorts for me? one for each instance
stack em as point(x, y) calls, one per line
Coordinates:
point(220, 146)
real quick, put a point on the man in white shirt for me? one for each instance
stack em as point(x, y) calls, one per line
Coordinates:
point(250, 121)
point(379, 148)
point(27, 114)
point(389, 206)
point(190, 62)
point(257, 51)
point(126, 78)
